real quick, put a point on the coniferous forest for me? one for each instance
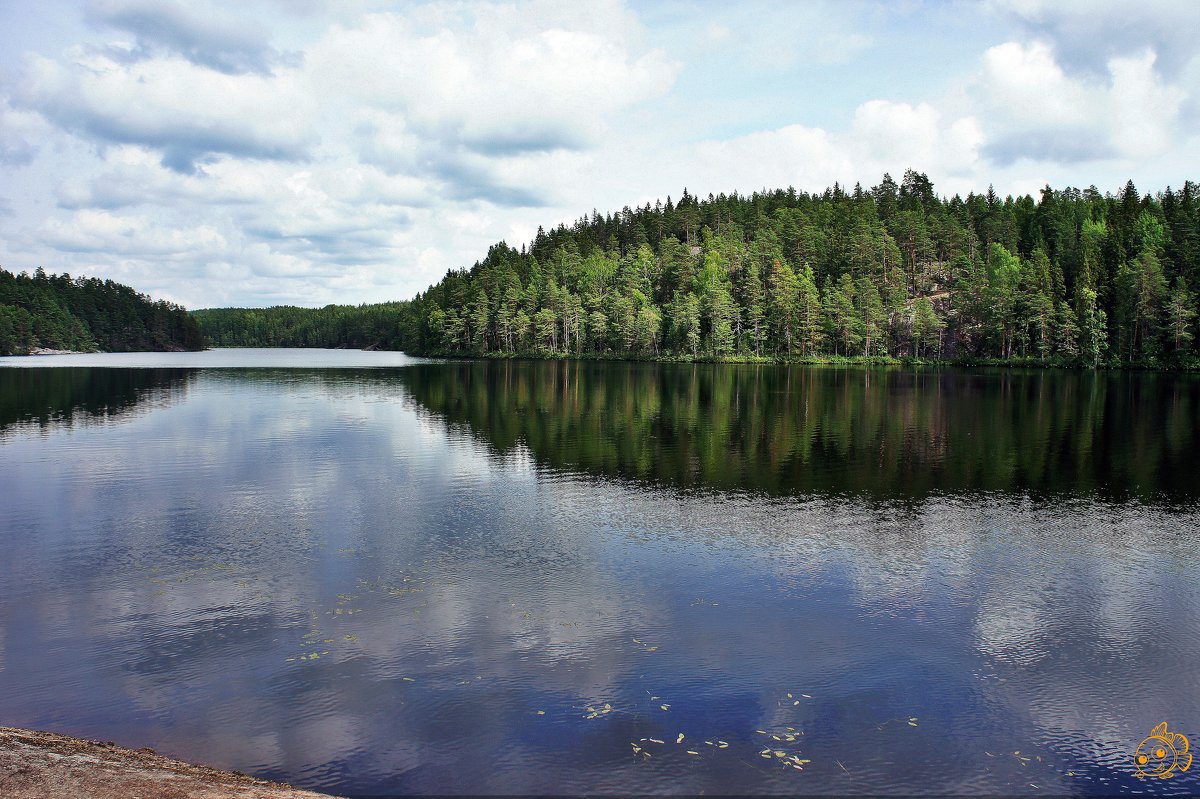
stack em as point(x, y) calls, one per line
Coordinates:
point(893, 271)
point(86, 314)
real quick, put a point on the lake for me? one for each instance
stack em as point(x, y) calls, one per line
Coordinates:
point(368, 574)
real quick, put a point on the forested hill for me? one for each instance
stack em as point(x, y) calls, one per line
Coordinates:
point(381, 326)
point(87, 314)
point(895, 270)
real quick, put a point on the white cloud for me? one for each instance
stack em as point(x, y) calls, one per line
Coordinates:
point(883, 137)
point(127, 234)
point(20, 132)
point(512, 79)
point(1087, 34)
point(169, 104)
point(197, 31)
point(1034, 109)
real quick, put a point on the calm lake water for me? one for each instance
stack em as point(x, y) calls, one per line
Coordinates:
point(386, 576)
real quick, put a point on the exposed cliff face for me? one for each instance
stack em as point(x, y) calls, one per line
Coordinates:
point(43, 765)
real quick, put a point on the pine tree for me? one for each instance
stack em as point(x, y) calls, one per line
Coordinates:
point(809, 321)
point(1180, 313)
point(926, 327)
point(781, 304)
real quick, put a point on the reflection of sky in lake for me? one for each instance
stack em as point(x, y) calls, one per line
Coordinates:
point(165, 573)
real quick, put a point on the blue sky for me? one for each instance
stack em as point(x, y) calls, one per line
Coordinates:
point(306, 152)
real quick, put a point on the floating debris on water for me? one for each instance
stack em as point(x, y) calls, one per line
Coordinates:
point(595, 712)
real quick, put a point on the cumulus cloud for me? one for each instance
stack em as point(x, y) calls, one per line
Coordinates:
point(506, 80)
point(1088, 34)
point(93, 231)
point(19, 134)
point(200, 33)
point(169, 104)
point(883, 137)
point(1034, 109)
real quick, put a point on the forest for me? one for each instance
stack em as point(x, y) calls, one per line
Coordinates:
point(87, 314)
point(894, 271)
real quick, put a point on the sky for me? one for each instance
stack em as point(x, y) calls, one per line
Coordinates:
point(306, 152)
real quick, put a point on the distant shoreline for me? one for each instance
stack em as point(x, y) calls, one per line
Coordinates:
point(817, 360)
point(857, 361)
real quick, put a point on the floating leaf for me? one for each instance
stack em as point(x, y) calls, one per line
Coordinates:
point(541, 712)
point(679, 740)
point(692, 752)
point(655, 740)
point(408, 679)
point(665, 707)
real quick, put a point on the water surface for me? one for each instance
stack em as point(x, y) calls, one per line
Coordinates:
point(415, 577)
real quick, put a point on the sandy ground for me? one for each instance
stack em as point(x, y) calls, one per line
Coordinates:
point(43, 765)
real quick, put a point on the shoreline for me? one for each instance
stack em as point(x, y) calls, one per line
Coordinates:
point(39, 351)
point(818, 360)
point(46, 765)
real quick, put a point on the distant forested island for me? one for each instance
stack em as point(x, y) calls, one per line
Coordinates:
point(58, 312)
point(894, 271)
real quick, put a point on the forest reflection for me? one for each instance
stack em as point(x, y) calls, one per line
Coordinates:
point(52, 398)
point(791, 430)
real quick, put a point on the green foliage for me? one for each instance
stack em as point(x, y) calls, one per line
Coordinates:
point(87, 314)
point(926, 329)
point(890, 272)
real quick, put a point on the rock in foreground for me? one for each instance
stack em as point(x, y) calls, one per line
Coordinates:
point(43, 765)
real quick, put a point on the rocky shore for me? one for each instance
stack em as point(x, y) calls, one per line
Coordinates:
point(44, 765)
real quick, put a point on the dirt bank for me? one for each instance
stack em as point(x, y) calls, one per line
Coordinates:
point(42, 765)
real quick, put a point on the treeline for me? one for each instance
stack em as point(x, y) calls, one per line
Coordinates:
point(378, 326)
point(891, 271)
point(87, 314)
